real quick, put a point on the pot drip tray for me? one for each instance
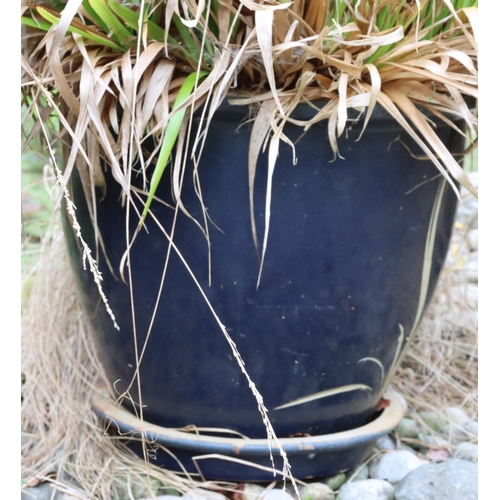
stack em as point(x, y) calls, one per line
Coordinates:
point(240, 459)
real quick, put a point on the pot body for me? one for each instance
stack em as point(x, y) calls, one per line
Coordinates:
point(354, 253)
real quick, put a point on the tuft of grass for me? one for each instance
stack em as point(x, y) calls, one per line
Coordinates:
point(95, 60)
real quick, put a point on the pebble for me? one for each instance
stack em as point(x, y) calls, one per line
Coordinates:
point(163, 497)
point(460, 425)
point(434, 442)
point(252, 491)
point(423, 434)
point(206, 495)
point(316, 491)
point(472, 240)
point(277, 494)
point(394, 465)
point(456, 415)
point(45, 491)
point(385, 443)
point(408, 428)
point(437, 454)
point(368, 489)
point(452, 479)
point(42, 492)
point(472, 426)
point(335, 482)
point(359, 474)
point(467, 451)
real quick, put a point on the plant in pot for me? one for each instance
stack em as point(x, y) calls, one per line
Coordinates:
point(225, 247)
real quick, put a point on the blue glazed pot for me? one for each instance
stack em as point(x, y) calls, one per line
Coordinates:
point(354, 253)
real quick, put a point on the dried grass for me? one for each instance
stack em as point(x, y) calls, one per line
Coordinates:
point(63, 441)
point(441, 366)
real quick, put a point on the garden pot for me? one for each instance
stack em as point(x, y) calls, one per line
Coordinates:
point(354, 253)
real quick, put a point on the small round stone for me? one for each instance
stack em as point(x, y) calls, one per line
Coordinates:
point(472, 239)
point(456, 415)
point(408, 428)
point(467, 451)
point(368, 489)
point(43, 491)
point(205, 495)
point(433, 420)
point(277, 494)
point(451, 479)
point(394, 466)
point(316, 491)
point(434, 442)
point(252, 491)
point(472, 427)
point(423, 434)
point(335, 482)
point(164, 497)
point(359, 473)
point(385, 443)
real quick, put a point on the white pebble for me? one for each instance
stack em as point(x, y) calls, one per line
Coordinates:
point(277, 494)
point(394, 466)
point(317, 491)
point(472, 427)
point(456, 415)
point(252, 491)
point(466, 451)
point(368, 489)
point(206, 495)
point(385, 443)
point(472, 240)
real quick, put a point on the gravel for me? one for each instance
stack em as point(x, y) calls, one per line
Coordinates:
point(450, 480)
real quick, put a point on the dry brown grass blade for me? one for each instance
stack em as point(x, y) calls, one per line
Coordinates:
point(398, 92)
point(391, 108)
point(325, 394)
point(342, 103)
point(264, 30)
point(60, 77)
point(197, 12)
point(260, 130)
point(157, 84)
point(254, 6)
point(272, 157)
point(376, 86)
point(412, 69)
point(454, 13)
point(471, 15)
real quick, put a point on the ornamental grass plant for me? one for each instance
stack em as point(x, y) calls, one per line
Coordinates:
point(114, 73)
point(117, 72)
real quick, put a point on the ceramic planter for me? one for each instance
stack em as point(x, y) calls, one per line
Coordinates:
point(353, 257)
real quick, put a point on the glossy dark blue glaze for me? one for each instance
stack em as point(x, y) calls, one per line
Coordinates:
point(343, 269)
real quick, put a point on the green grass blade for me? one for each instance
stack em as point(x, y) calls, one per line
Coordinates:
point(187, 38)
point(131, 19)
point(171, 134)
point(93, 14)
point(42, 25)
point(100, 39)
point(120, 32)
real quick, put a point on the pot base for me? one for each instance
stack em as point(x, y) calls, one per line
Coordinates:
point(240, 459)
